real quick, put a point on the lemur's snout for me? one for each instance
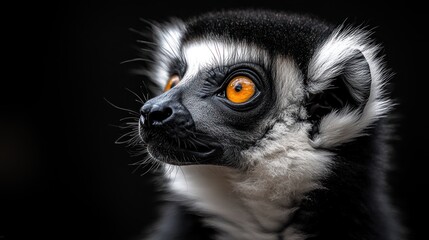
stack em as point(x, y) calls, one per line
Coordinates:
point(168, 129)
point(166, 115)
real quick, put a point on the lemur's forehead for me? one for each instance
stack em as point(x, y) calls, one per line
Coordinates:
point(207, 54)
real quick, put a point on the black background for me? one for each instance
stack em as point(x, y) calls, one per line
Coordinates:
point(61, 174)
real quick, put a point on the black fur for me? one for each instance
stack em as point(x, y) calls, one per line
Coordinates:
point(354, 203)
point(178, 222)
point(284, 34)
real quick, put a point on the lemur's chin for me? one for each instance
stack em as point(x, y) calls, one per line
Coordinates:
point(183, 156)
point(184, 153)
point(189, 150)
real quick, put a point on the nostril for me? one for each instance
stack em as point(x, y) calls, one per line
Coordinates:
point(156, 117)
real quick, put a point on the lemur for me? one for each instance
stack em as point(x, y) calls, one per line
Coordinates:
point(268, 125)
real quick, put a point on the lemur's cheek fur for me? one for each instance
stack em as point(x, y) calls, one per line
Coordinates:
point(269, 125)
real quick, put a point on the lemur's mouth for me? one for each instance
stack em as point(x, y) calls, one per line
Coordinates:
point(180, 149)
point(181, 155)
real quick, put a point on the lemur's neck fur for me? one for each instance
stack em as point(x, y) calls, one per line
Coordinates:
point(258, 203)
point(236, 214)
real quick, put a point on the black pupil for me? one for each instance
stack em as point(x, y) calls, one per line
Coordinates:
point(238, 87)
point(173, 84)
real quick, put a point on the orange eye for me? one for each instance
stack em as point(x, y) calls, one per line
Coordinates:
point(240, 89)
point(173, 81)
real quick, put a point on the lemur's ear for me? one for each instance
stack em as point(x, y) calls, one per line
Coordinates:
point(348, 87)
point(345, 82)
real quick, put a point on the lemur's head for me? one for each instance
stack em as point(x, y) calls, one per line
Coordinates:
point(246, 83)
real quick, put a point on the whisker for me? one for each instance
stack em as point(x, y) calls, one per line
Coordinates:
point(159, 165)
point(168, 169)
point(132, 124)
point(142, 163)
point(198, 141)
point(194, 134)
point(137, 60)
point(193, 144)
point(129, 118)
point(139, 152)
point(150, 169)
point(147, 42)
point(140, 100)
point(137, 32)
point(195, 160)
point(120, 141)
point(147, 50)
point(132, 112)
point(123, 127)
point(151, 23)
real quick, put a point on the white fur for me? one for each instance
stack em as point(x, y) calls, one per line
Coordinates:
point(289, 82)
point(347, 124)
point(210, 53)
point(168, 40)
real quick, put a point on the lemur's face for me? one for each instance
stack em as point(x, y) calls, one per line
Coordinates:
point(232, 86)
point(211, 109)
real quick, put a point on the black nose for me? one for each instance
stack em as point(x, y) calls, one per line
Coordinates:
point(165, 116)
point(156, 114)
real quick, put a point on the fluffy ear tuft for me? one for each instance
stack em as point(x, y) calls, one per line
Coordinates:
point(351, 88)
point(345, 88)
